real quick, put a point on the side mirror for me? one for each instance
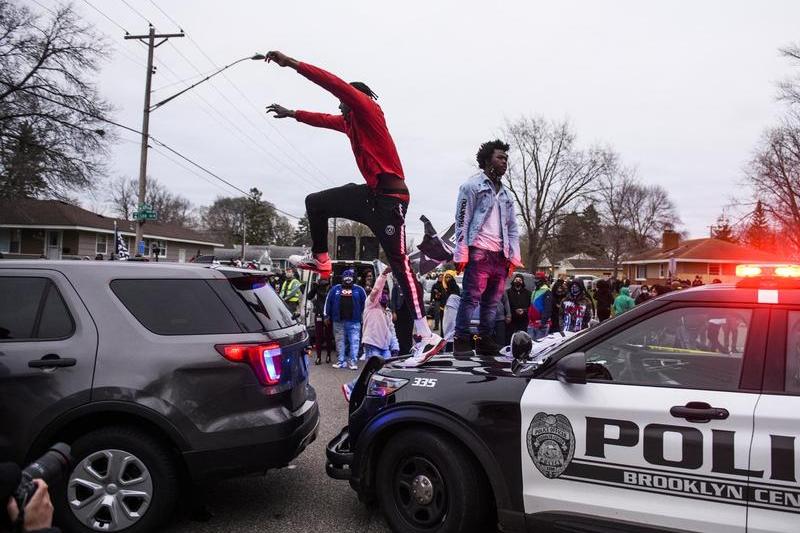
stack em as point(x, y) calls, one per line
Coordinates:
point(572, 368)
point(521, 346)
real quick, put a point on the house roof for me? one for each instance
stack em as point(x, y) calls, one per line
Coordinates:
point(24, 212)
point(710, 250)
point(586, 264)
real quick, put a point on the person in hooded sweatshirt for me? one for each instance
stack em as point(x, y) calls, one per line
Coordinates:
point(604, 300)
point(577, 308)
point(623, 302)
point(519, 299)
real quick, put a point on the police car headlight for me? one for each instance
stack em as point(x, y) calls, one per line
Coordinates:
point(382, 386)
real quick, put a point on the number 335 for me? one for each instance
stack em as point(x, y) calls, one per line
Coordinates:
point(424, 382)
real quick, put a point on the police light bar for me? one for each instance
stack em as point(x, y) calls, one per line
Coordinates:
point(768, 277)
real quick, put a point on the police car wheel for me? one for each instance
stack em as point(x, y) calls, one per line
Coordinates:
point(427, 482)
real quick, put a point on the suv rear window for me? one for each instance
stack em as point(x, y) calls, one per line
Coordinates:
point(203, 307)
point(261, 299)
point(176, 306)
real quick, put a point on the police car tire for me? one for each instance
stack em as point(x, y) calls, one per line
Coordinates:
point(465, 485)
point(159, 462)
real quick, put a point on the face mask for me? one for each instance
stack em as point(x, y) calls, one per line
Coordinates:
point(347, 281)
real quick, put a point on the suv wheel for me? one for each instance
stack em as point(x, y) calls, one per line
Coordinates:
point(427, 482)
point(122, 479)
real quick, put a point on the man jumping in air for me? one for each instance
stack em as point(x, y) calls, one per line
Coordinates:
point(381, 203)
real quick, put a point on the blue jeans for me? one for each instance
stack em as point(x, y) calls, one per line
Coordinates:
point(370, 350)
point(347, 332)
point(484, 282)
point(538, 333)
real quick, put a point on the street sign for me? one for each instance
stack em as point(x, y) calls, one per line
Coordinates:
point(145, 215)
point(141, 248)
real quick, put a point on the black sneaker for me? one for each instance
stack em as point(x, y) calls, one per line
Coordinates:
point(463, 346)
point(487, 346)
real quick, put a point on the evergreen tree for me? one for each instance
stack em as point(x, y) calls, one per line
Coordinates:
point(723, 230)
point(758, 234)
point(302, 235)
point(591, 232)
point(22, 165)
point(569, 239)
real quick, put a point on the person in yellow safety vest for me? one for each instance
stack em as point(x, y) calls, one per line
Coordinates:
point(290, 291)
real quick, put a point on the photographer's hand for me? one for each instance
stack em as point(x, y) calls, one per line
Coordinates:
point(38, 511)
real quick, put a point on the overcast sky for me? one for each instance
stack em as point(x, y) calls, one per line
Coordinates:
point(681, 89)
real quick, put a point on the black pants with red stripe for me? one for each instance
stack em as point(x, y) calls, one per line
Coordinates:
point(384, 215)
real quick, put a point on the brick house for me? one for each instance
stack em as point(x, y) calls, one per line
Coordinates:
point(708, 258)
point(58, 230)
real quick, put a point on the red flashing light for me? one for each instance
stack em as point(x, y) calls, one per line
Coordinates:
point(748, 271)
point(768, 277)
point(264, 359)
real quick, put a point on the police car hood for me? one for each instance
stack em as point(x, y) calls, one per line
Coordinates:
point(476, 364)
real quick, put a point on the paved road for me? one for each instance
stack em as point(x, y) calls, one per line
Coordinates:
point(297, 499)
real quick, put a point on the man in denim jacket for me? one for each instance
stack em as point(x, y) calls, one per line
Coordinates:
point(487, 247)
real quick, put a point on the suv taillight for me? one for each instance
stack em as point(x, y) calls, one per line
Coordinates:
point(264, 359)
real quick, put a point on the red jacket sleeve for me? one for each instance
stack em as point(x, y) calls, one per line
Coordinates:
point(345, 92)
point(321, 120)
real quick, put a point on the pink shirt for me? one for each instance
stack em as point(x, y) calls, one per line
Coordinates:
point(378, 329)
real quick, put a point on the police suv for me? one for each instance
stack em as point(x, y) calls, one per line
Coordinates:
point(680, 415)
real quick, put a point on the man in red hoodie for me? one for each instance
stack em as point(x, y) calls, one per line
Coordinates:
point(381, 203)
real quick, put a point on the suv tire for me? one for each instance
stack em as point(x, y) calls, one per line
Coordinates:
point(426, 482)
point(128, 459)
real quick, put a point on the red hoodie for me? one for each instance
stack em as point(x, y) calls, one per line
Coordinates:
point(365, 126)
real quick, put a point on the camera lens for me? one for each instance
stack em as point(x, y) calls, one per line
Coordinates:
point(52, 465)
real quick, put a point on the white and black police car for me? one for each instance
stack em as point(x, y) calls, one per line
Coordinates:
point(680, 415)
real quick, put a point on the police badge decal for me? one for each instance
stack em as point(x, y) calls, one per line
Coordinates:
point(551, 443)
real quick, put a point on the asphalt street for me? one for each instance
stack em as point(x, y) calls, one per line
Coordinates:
point(300, 498)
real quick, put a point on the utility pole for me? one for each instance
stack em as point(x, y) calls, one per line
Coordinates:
point(149, 39)
point(244, 234)
point(335, 245)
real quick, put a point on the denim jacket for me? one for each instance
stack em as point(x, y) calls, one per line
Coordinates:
point(474, 205)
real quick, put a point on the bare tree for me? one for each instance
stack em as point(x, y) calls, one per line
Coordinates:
point(650, 211)
point(789, 89)
point(548, 175)
point(51, 141)
point(171, 208)
point(618, 184)
point(775, 175)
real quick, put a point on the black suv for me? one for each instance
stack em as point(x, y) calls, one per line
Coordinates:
point(154, 373)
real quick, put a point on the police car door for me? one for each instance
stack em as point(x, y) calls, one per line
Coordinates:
point(660, 432)
point(775, 492)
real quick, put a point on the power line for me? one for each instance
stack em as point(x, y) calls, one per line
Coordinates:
point(237, 129)
point(157, 141)
point(247, 119)
point(112, 21)
point(172, 20)
point(136, 11)
point(324, 176)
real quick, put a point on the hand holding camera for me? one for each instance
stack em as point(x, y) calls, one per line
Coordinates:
point(37, 512)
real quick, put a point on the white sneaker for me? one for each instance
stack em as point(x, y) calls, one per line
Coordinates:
point(353, 366)
point(347, 390)
point(309, 262)
point(338, 365)
point(424, 350)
